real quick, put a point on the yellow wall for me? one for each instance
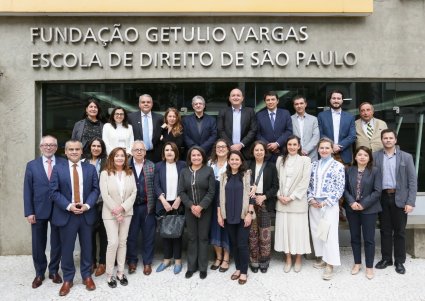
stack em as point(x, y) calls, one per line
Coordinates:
point(188, 6)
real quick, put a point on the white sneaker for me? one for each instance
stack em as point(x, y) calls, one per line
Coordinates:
point(328, 273)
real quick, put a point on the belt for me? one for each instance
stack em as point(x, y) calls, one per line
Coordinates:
point(389, 191)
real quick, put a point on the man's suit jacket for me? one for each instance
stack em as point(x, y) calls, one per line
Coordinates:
point(111, 194)
point(282, 127)
point(248, 126)
point(405, 173)
point(61, 192)
point(160, 180)
point(347, 132)
point(36, 189)
point(311, 134)
point(370, 189)
point(208, 134)
point(135, 119)
point(375, 143)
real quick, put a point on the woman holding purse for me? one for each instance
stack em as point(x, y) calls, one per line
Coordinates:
point(165, 182)
point(119, 190)
point(327, 183)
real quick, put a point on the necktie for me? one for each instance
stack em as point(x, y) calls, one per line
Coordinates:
point(272, 119)
point(369, 130)
point(146, 138)
point(49, 168)
point(76, 187)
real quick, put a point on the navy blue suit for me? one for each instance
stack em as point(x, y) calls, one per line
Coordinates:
point(282, 127)
point(71, 224)
point(37, 202)
point(347, 132)
point(206, 138)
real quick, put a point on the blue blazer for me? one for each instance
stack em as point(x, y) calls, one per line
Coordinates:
point(370, 189)
point(347, 132)
point(208, 134)
point(36, 189)
point(61, 192)
point(282, 127)
point(160, 180)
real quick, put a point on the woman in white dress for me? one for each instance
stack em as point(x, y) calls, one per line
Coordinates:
point(327, 184)
point(117, 132)
point(291, 230)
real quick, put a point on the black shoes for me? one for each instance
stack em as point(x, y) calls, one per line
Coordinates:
point(188, 274)
point(263, 270)
point(202, 274)
point(123, 281)
point(254, 269)
point(112, 283)
point(383, 264)
point(215, 267)
point(399, 268)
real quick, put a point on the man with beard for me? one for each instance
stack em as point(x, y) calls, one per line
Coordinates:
point(338, 126)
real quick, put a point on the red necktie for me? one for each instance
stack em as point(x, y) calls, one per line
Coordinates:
point(76, 184)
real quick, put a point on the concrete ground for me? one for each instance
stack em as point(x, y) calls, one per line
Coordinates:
point(17, 273)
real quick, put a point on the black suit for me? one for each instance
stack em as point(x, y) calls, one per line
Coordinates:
point(135, 119)
point(248, 127)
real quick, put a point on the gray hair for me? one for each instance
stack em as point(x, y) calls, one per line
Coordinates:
point(73, 141)
point(145, 95)
point(198, 97)
point(48, 136)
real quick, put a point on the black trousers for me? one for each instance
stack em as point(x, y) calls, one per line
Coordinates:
point(393, 225)
point(197, 234)
point(362, 223)
point(172, 247)
point(99, 228)
point(239, 239)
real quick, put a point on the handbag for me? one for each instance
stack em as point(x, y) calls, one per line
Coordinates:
point(323, 228)
point(171, 226)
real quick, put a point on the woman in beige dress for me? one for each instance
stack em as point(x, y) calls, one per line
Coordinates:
point(119, 190)
point(291, 229)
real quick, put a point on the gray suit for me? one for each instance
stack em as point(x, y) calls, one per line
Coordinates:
point(311, 134)
point(393, 219)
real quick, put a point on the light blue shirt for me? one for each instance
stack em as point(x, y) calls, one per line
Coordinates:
point(236, 133)
point(388, 171)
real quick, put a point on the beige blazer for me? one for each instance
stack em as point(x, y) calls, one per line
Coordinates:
point(298, 186)
point(111, 195)
point(375, 143)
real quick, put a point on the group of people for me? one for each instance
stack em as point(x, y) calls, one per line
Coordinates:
point(235, 173)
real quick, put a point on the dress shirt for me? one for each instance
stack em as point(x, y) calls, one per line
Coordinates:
point(388, 171)
point(149, 115)
point(45, 164)
point(300, 120)
point(336, 120)
point(80, 180)
point(236, 132)
point(364, 125)
point(138, 167)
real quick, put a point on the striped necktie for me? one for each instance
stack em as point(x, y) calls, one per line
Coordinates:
point(369, 130)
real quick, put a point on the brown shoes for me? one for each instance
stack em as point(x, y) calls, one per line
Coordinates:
point(147, 269)
point(88, 282)
point(235, 276)
point(56, 278)
point(37, 281)
point(66, 287)
point(100, 270)
point(132, 268)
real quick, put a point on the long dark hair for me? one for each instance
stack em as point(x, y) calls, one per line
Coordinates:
point(199, 149)
point(285, 152)
point(242, 168)
point(369, 152)
point(102, 157)
point(124, 121)
point(99, 109)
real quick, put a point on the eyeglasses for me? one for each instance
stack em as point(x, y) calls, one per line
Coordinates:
point(49, 145)
point(138, 150)
point(119, 114)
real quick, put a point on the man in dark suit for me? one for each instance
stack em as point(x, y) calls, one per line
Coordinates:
point(274, 125)
point(38, 211)
point(143, 219)
point(74, 188)
point(399, 187)
point(338, 126)
point(147, 127)
point(237, 124)
point(199, 129)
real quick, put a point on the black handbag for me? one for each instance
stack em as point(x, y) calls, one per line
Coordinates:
point(171, 225)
